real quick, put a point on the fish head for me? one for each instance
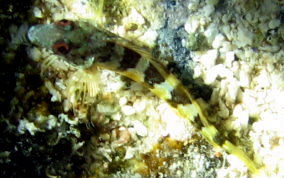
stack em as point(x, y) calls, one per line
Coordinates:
point(77, 42)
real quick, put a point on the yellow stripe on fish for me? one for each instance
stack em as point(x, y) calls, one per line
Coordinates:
point(109, 51)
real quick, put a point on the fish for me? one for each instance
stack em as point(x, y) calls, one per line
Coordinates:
point(84, 44)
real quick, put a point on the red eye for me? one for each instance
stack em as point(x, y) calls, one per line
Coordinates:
point(61, 48)
point(64, 22)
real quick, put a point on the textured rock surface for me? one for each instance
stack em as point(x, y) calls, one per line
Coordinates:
point(69, 122)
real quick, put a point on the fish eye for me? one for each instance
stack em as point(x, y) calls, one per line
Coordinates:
point(61, 48)
point(65, 24)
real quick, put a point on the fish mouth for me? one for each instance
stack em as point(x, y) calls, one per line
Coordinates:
point(20, 37)
point(44, 35)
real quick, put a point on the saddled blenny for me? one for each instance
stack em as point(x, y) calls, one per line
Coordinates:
point(84, 44)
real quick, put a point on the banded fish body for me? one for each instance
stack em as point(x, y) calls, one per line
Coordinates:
point(86, 45)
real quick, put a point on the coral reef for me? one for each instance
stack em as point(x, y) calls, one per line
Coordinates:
point(61, 120)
